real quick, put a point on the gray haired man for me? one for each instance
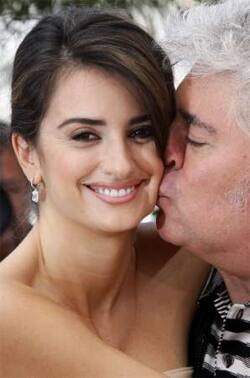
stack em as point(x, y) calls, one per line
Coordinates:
point(205, 193)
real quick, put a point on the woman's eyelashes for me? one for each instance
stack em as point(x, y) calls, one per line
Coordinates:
point(142, 134)
point(85, 136)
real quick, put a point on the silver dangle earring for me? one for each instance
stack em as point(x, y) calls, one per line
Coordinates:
point(35, 192)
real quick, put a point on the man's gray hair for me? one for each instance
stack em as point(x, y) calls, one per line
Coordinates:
point(214, 39)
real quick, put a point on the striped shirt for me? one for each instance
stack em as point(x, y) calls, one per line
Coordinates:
point(228, 351)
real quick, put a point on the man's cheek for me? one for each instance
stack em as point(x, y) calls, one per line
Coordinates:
point(239, 197)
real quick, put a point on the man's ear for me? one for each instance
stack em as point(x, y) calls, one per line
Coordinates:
point(27, 157)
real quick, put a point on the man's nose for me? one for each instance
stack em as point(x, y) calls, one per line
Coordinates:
point(175, 150)
point(118, 160)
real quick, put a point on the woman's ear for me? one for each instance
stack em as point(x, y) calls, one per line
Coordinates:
point(27, 157)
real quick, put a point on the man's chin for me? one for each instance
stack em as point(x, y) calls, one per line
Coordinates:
point(164, 230)
point(161, 224)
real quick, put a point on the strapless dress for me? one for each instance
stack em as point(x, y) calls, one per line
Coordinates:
point(185, 372)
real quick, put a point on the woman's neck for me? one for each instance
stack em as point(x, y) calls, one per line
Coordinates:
point(85, 270)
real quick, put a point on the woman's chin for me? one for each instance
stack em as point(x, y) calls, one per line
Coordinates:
point(124, 223)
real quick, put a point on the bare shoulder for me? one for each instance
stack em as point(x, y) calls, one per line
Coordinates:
point(40, 338)
point(35, 334)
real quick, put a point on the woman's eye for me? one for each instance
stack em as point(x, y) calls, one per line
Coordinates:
point(194, 143)
point(85, 136)
point(142, 133)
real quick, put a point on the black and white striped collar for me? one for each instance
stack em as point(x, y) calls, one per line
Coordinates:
point(223, 302)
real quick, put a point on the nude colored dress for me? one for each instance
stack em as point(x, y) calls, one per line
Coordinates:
point(185, 372)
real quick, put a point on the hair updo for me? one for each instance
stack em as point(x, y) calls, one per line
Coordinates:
point(78, 37)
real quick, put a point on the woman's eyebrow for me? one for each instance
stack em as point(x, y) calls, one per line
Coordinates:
point(83, 121)
point(100, 122)
point(140, 119)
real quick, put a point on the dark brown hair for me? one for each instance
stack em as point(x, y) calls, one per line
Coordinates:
point(82, 36)
point(4, 135)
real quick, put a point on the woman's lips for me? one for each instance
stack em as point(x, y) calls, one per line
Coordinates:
point(116, 192)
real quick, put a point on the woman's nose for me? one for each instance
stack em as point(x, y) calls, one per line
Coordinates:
point(175, 150)
point(119, 160)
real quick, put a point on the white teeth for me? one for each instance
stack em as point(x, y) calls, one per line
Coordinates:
point(115, 192)
point(106, 192)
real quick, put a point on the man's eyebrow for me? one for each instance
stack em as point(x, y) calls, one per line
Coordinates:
point(83, 121)
point(192, 119)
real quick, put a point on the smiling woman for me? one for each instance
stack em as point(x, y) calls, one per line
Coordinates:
point(91, 107)
point(93, 154)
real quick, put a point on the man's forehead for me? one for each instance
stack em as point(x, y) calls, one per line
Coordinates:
point(194, 84)
point(217, 84)
point(191, 96)
point(208, 98)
